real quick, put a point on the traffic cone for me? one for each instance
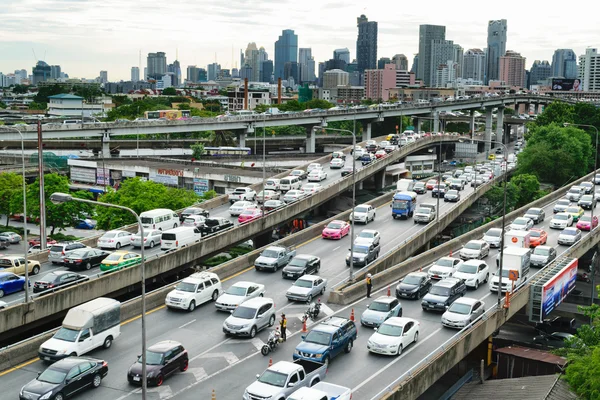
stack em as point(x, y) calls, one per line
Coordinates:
point(270, 361)
point(389, 293)
point(304, 330)
point(450, 253)
point(214, 395)
point(352, 315)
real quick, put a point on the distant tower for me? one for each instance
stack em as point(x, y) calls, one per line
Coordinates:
point(366, 44)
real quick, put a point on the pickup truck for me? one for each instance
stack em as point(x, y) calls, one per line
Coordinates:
point(284, 378)
point(330, 338)
point(274, 257)
point(242, 193)
point(214, 225)
point(322, 391)
point(16, 265)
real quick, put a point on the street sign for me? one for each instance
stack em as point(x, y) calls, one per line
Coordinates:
point(513, 275)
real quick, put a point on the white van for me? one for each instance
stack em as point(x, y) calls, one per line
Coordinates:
point(160, 218)
point(289, 183)
point(177, 238)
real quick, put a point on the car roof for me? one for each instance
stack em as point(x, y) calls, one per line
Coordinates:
point(339, 221)
point(418, 273)
point(466, 300)
point(305, 256)
point(385, 299)
point(258, 301)
point(164, 346)
point(67, 363)
point(448, 282)
point(244, 284)
point(311, 278)
point(399, 321)
point(474, 262)
point(3, 274)
point(477, 241)
point(544, 247)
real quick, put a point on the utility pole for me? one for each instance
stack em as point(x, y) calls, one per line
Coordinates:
point(43, 240)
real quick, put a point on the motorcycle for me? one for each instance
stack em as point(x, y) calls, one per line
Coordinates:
point(312, 312)
point(272, 342)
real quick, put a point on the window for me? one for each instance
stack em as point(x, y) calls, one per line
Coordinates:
point(85, 334)
point(207, 283)
point(294, 378)
point(301, 373)
point(73, 372)
point(86, 366)
point(408, 327)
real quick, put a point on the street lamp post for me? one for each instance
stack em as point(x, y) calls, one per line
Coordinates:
point(63, 198)
point(264, 160)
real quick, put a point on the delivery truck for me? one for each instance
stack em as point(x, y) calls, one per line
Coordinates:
point(517, 239)
point(85, 327)
point(404, 204)
point(405, 185)
point(516, 262)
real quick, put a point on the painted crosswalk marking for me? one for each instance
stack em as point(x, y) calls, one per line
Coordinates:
point(199, 373)
point(228, 356)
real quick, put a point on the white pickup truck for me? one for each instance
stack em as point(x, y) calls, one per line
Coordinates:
point(242, 193)
point(322, 391)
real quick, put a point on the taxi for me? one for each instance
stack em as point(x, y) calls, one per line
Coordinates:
point(120, 259)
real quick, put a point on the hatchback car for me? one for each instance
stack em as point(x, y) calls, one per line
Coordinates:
point(56, 279)
point(569, 236)
point(521, 224)
point(475, 249)
point(114, 239)
point(413, 285)
point(561, 220)
point(336, 229)
point(537, 237)
point(443, 294)
point(238, 293)
point(381, 309)
point(462, 312)
point(300, 265)
point(542, 256)
point(394, 335)
point(152, 236)
point(473, 272)
point(250, 317)
point(11, 283)
point(85, 258)
point(162, 360)
point(306, 288)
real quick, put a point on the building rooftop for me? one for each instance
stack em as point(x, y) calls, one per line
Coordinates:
point(65, 96)
point(545, 387)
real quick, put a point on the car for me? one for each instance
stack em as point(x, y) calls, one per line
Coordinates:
point(242, 194)
point(120, 259)
point(363, 213)
point(383, 144)
point(493, 237)
point(452, 195)
point(431, 183)
point(37, 241)
point(561, 220)
point(473, 272)
point(306, 288)
point(192, 220)
point(542, 256)
point(588, 187)
point(85, 258)
point(293, 195)
point(85, 224)
point(326, 340)
point(445, 267)
point(462, 312)
point(499, 150)
point(420, 188)
point(65, 378)
point(347, 171)
point(336, 229)
point(492, 157)
point(336, 163)
point(475, 249)
point(249, 215)
point(272, 184)
point(299, 173)
point(362, 255)
point(443, 293)
point(13, 237)
point(575, 211)
point(311, 188)
point(413, 286)
point(379, 310)
point(11, 283)
point(477, 181)
point(59, 251)
point(196, 289)
point(521, 224)
point(317, 175)
point(300, 265)
point(557, 324)
point(369, 237)
point(575, 193)
point(439, 190)
point(569, 236)
point(457, 184)
point(313, 166)
point(56, 279)
point(240, 206)
point(338, 154)
point(250, 317)
point(367, 158)
point(561, 205)
point(238, 293)
point(272, 205)
point(265, 195)
point(115, 239)
point(193, 211)
point(16, 265)
point(380, 154)
point(536, 214)
point(394, 335)
point(390, 148)
point(371, 146)
point(4, 243)
point(585, 222)
point(587, 202)
point(537, 237)
point(162, 360)
point(553, 340)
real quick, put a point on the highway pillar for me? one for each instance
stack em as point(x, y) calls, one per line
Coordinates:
point(527, 108)
point(488, 129)
point(507, 132)
point(472, 123)
point(359, 185)
point(379, 180)
point(536, 108)
point(105, 145)
point(310, 140)
point(366, 134)
point(436, 122)
point(500, 124)
point(241, 137)
point(417, 125)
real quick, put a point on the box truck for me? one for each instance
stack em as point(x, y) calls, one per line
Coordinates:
point(517, 239)
point(516, 260)
point(405, 185)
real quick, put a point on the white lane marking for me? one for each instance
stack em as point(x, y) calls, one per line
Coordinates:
point(187, 323)
point(163, 391)
point(256, 342)
point(228, 356)
point(327, 310)
point(199, 373)
point(336, 248)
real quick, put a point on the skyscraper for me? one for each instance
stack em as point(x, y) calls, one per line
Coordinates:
point(401, 62)
point(415, 65)
point(157, 65)
point(427, 34)
point(192, 74)
point(41, 72)
point(286, 50)
point(251, 67)
point(564, 64)
point(474, 65)
point(342, 54)
point(103, 76)
point(512, 69)
point(55, 72)
point(135, 74)
point(266, 71)
point(589, 70)
point(307, 65)
point(442, 51)
point(540, 71)
point(496, 48)
point(213, 71)
point(175, 69)
point(458, 59)
point(366, 44)
point(383, 61)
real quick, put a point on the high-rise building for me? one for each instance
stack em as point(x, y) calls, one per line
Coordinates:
point(427, 34)
point(336, 64)
point(564, 64)
point(55, 72)
point(251, 64)
point(589, 70)
point(496, 48)
point(135, 74)
point(540, 71)
point(20, 75)
point(512, 69)
point(213, 71)
point(474, 65)
point(266, 71)
point(335, 78)
point(235, 73)
point(321, 73)
point(157, 65)
point(41, 72)
point(246, 72)
point(366, 44)
point(175, 69)
point(202, 75)
point(401, 62)
point(192, 74)
point(378, 82)
point(342, 54)
point(286, 50)
point(458, 58)
point(382, 62)
point(291, 70)
point(442, 51)
point(415, 64)
point(262, 57)
point(446, 73)
point(307, 65)
point(145, 73)
point(103, 76)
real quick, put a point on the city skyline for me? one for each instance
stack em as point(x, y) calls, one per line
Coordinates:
point(87, 36)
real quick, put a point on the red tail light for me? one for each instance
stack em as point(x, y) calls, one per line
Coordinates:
point(62, 252)
point(104, 364)
point(78, 261)
point(177, 243)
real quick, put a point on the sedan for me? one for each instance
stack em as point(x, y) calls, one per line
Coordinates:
point(390, 148)
point(543, 255)
point(420, 188)
point(521, 224)
point(587, 202)
point(272, 205)
point(301, 265)
point(536, 214)
point(13, 238)
point(493, 237)
point(569, 236)
point(317, 175)
point(576, 211)
point(306, 287)
point(193, 220)
point(552, 340)
point(585, 221)
point(313, 166)
point(162, 359)
point(240, 206)
point(265, 195)
point(438, 190)
point(311, 188)
point(114, 239)
point(11, 283)
point(537, 237)
point(473, 272)
point(561, 221)
point(193, 211)
point(431, 183)
point(336, 163)
point(301, 174)
point(238, 293)
point(293, 195)
point(336, 230)
point(443, 268)
point(120, 259)
point(381, 309)
point(380, 154)
point(368, 237)
point(475, 249)
point(462, 312)
point(347, 171)
point(413, 285)
point(85, 258)
point(250, 215)
point(65, 378)
point(56, 279)
point(452, 195)
point(394, 335)
point(85, 224)
point(561, 205)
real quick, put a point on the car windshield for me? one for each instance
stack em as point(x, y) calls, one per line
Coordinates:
point(52, 376)
point(335, 225)
point(412, 280)
point(473, 246)
point(540, 251)
point(297, 262)
point(113, 257)
point(444, 262)
point(587, 197)
point(236, 291)
point(423, 210)
point(318, 337)
point(379, 306)
point(494, 232)
point(563, 203)
point(273, 378)
point(186, 287)
point(533, 211)
point(535, 233)
point(452, 192)
point(303, 283)
point(569, 232)
point(269, 254)
point(250, 211)
point(572, 210)
point(468, 269)
point(361, 209)
point(361, 249)
point(244, 312)
point(561, 216)
point(368, 235)
point(152, 358)
point(56, 249)
point(439, 290)
point(68, 335)
point(585, 218)
point(78, 254)
point(109, 235)
point(520, 221)
point(390, 330)
point(459, 308)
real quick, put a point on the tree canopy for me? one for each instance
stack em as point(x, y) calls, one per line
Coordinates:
point(528, 188)
point(11, 185)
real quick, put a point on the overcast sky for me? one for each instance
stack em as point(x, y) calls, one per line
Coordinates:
point(86, 36)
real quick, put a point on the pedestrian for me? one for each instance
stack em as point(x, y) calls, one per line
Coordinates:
point(369, 285)
point(283, 325)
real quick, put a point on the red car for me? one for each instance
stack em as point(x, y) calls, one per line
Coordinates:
point(36, 241)
point(584, 223)
point(336, 230)
point(431, 183)
point(538, 237)
point(249, 215)
point(380, 154)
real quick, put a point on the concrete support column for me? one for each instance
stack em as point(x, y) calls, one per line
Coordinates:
point(366, 134)
point(379, 179)
point(472, 123)
point(507, 132)
point(241, 136)
point(310, 140)
point(536, 108)
point(359, 185)
point(417, 125)
point(436, 122)
point(488, 129)
point(106, 145)
point(527, 108)
point(500, 124)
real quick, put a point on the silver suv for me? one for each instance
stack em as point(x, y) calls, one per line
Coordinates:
point(250, 317)
point(59, 251)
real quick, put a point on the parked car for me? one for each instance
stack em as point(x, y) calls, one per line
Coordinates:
point(413, 286)
point(115, 239)
point(380, 310)
point(327, 340)
point(473, 272)
point(300, 265)
point(4, 243)
point(85, 258)
point(462, 312)
point(12, 237)
point(336, 230)
point(238, 293)
point(394, 335)
point(306, 288)
point(163, 359)
point(56, 279)
point(475, 249)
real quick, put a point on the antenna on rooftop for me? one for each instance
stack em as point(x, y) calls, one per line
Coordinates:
point(34, 56)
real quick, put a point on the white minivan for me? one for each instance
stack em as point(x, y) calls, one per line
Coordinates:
point(289, 183)
point(177, 238)
point(160, 218)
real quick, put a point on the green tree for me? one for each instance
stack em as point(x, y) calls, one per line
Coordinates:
point(46, 91)
point(261, 108)
point(2, 105)
point(37, 106)
point(88, 92)
point(495, 197)
point(318, 103)
point(118, 100)
point(222, 138)
point(11, 185)
point(292, 105)
point(197, 150)
point(170, 91)
point(20, 89)
point(528, 187)
point(557, 112)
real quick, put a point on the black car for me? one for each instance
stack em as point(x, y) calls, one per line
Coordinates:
point(413, 286)
point(300, 265)
point(438, 190)
point(214, 225)
point(56, 279)
point(85, 258)
point(499, 150)
point(371, 148)
point(452, 195)
point(420, 188)
point(162, 359)
point(443, 294)
point(347, 171)
point(193, 211)
point(65, 378)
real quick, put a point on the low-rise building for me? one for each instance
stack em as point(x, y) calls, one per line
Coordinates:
point(69, 105)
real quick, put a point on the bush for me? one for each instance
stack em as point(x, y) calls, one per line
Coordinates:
point(60, 237)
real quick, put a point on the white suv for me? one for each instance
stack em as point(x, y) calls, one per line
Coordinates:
point(250, 317)
point(194, 290)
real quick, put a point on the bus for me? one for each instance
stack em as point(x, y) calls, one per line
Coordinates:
point(167, 114)
point(227, 151)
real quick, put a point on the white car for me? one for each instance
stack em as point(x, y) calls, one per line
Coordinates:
point(368, 237)
point(317, 175)
point(293, 195)
point(265, 195)
point(443, 268)
point(569, 236)
point(272, 184)
point(521, 224)
point(462, 312)
point(194, 220)
point(383, 144)
point(238, 293)
point(336, 163)
point(196, 289)
point(313, 166)
point(394, 335)
point(114, 239)
point(493, 237)
point(473, 272)
point(363, 213)
point(311, 188)
point(241, 194)
point(239, 207)
point(151, 238)
point(561, 220)
point(561, 205)
point(475, 249)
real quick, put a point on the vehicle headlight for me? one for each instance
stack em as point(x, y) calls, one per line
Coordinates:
point(392, 346)
point(245, 326)
point(46, 396)
point(317, 355)
point(150, 374)
point(297, 352)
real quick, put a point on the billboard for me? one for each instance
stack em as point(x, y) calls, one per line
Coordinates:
point(556, 289)
point(200, 186)
point(567, 85)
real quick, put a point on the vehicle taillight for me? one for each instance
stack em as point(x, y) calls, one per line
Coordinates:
point(177, 243)
point(62, 252)
point(153, 226)
point(105, 364)
point(145, 239)
point(78, 261)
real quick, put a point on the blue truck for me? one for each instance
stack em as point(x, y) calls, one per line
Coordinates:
point(404, 204)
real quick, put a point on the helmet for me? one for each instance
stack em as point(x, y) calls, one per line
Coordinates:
point(369, 275)
point(282, 314)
